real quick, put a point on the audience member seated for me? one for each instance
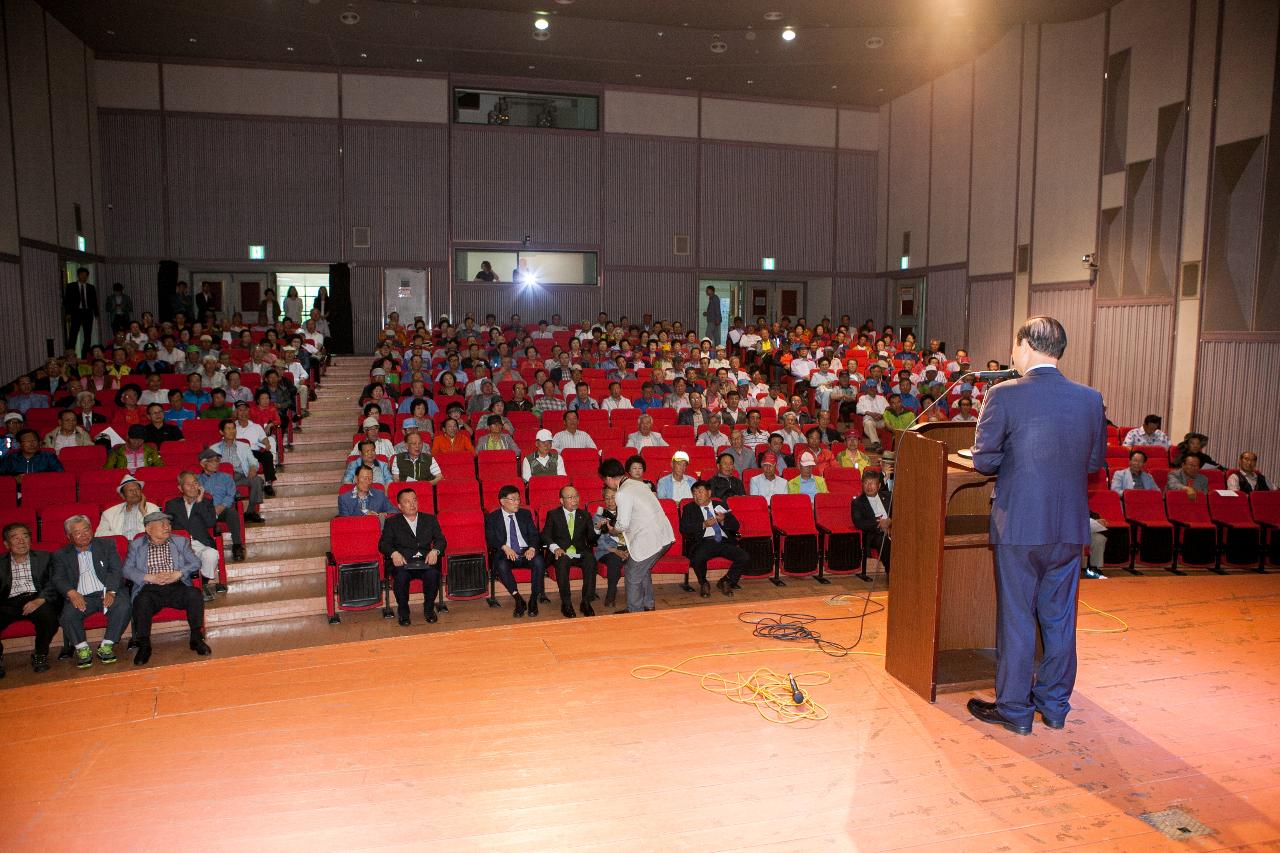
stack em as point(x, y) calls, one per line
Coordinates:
point(162, 568)
point(645, 435)
point(611, 547)
point(496, 438)
point(1147, 435)
point(572, 438)
point(259, 442)
point(727, 481)
point(695, 414)
point(870, 514)
point(25, 397)
point(676, 486)
point(413, 544)
point(755, 436)
point(570, 537)
point(513, 541)
point(872, 406)
point(364, 499)
point(1247, 478)
point(708, 530)
point(743, 457)
point(244, 465)
point(964, 410)
point(1187, 476)
point(1135, 476)
point(897, 417)
point(221, 489)
point(191, 513)
point(368, 458)
point(414, 464)
point(649, 399)
point(545, 460)
point(218, 407)
point(27, 592)
point(615, 400)
point(158, 429)
point(28, 458)
point(179, 412)
point(68, 433)
point(372, 430)
point(714, 437)
point(89, 577)
point(126, 518)
point(1193, 442)
point(451, 439)
point(134, 454)
point(822, 455)
point(85, 414)
point(807, 483)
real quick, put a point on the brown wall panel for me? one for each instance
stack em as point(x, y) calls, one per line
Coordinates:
point(139, 280)
point(856, 212)
point(1073, 307)
point(668, 294)
point(395, 181)
point(42, 303)
point(650, 195)
point(945, 304)
point(1133, 353)
point(133, 184)
point(990, 320)
point(860, 298)
point(1227, 403)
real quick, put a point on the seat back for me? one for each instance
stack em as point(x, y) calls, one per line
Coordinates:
point(53, 533)
point(455, 466)
point(793, 514)
point(1266, 507)
point(1145, 506)
point(1187, 509)
point(465, 531)
point(89, 458)
point(48, 489)
point(582, 461)
point(490, 486)
point(1108, 507)
point(424, 491)
point(831, 512)
point(1231, 509)
point(354, 539)
point(457, 495)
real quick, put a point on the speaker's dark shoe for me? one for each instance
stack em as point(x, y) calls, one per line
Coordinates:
point(431, 616)
point(723, 586)
point(566, 610)
point(704, 589)
point(533, 606)
point(987, 712)
point(403, 621)
point(144, 653)
point(587, 609)
point(1053, 722)
point(39, 663)
point(199, 646)
point(519, 608)
point(611, 598)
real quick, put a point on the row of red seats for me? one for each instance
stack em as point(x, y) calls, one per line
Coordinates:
point(96, 485)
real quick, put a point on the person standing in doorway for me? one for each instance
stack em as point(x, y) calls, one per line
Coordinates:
point(79, 310)
point(1040, 435)
point(712, 313)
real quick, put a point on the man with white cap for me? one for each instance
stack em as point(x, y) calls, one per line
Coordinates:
point(382, 445)
point(126, 518)
point(806, 483)
point(163, 568)
point(545, 460)
point(676, 486)
point(767, 483)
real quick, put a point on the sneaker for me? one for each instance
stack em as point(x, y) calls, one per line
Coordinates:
point(107, 653)
point(84, 658)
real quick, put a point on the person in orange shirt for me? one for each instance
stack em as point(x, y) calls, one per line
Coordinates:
point(451, 440)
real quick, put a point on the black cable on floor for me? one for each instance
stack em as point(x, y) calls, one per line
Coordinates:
point(794, 627)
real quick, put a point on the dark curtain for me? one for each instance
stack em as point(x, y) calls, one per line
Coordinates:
point(166, 284)
point(340, 316)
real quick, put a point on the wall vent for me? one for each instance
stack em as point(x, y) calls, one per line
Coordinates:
point(1024, 258)
point(680, 244)
point(1190, 286)
point(360, 237)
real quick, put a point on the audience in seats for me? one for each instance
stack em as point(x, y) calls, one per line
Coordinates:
point(192, 514)
point(221, 489)
point(964, 410)
point(514, 542)
point(645, 435)
point(450, 439)
point(259, 444)
point(1247, 478)
point(28, 592)
point(822, 455)
point(1187, 477)
point(1135, 476)
point(89, 577)
point(1147, 435)
point(126, 518)
point(709, 531)
point(68, 433)
point(413, 464)
point(371, 427)
point(496, 438)
point(714, 436)
point(413, 545)
point(545, 459)
point(807, 483)
point(727, 481)
point(570, 537)
point(743, 456)
point(870, 514)
point(572, 438)
point(244, 466)
point(676, 486)
point(162, 569)
point(1193, 442)
point(364, 499)
point(872, 406)
point(27, 457)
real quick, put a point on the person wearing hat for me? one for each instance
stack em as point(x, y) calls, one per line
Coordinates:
point(709, 531)
point(12, 426)
point(126, 518)
point(545, 460)
point(162, 568)
point(806, 483)
point(643, 524)
point(767, 483)
point(88, 575)
point(151, 363)
point(134, 453)
point(27, 457)
point(221, 489)
point(677, 485)
point(372, 429)
point(496, 438)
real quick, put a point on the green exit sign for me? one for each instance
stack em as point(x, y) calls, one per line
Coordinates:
point(257, 253)
point(768, 263)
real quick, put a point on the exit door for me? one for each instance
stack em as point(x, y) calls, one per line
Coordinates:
point(908, 302)
point(772, 300)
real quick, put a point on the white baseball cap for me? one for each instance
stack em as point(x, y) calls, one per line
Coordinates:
point(544, 435)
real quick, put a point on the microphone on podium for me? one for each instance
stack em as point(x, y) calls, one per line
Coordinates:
point(993, 375)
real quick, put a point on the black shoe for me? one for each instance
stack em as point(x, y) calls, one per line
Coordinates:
point(611, 598)
point(254, 518)
point(1090, 573)
point(704, 589)
point(144, 653)
point(533, 606)
point(987, 712)
point(39, 663)
point(431, 615)
point(199, 646)
point(587, 609)
point(1, 670)
point(566, 610)
point(269, 491)
point(237, 553)
point(66, 653)
point(210, 590)
point(221, 587)
point(404, 620)
point(520, 608)
point(724, 586)
point(1053, 722)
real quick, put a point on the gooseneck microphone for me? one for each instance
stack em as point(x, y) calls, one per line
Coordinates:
point(992, 375)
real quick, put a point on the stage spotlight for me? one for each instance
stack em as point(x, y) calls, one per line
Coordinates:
point(541, 24)
point(788, 34)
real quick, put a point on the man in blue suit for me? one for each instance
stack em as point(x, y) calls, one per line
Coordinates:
point(1041, 435)
point(515, 542)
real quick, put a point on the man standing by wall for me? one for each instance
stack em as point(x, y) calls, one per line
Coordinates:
point(712, 313)
point(79, 310)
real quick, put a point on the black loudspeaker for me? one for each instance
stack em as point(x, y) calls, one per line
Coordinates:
point(359, 584)
point(341, 335)
point(166, 284)
point(466, 576)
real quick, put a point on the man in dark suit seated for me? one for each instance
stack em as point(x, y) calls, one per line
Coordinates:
point(513, 541)
point(192, 514)
point(162, 569)
point(1041, 435)
point(708, 531)
point(88, 575)
point(870, 512)
point(413, 543)
point(27, 592)
point(569, 535)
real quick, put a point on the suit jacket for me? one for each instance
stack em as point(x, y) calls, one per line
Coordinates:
point(106, 564)
point(555, 531)
point(397, 536)
point(691, 530)
point(71, 303)
point(349, 502)
point(41, 576)
point(495, 529)
point(685, 418)
point(864, 518)
point(1040, 435)
point(198, 524)
point(135, 563)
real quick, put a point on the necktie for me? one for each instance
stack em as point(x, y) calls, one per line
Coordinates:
point(513, 538)
point(571, 551)
point(715, 528)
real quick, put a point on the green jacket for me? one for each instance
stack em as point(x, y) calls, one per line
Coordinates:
point(117, 459)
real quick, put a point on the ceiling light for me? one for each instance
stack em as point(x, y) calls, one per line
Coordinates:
point(350, 17)
point(788, 34)
point(875, 42)
point(718, 44)
point(289, 49)
point(688, 78)
point(364, 56)
point(531, 67)
point(565, 2)
point(193, 41)
point(541, 23)
point(111, 32)
point(541, 35)
point(749, 82)
point(419, 59)
point(637, 76)
point(773, 16)
point(835, 86)
point(750, 36)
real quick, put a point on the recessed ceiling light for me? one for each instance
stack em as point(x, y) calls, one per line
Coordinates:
point(788, 34)
point(289, 49)
point(531, 67)
point(193, 41)
point(875, 42)
point(364, 56)
point(541, 23)
point(565, 2)
point(834, 86)
point(718, 44)
point(111, 32)
point(419, 59)
point(881, 89)
point(541, 35)
point(773, 16)
point(350, 17)
point(749, 82)
point(750, 36)
point(661, 34)
point(688, 78)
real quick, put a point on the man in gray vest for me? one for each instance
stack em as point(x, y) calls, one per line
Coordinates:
point(544, 461)
point(415, 463)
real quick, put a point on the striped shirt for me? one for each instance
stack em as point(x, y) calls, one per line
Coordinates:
point(23, 583)
point(88, 583)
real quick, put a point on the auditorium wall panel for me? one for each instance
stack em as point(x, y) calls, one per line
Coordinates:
point(856, 211)
point(949, 154)
point(650, 113)
point(237, 90)
point(909, 177)
point(1073, 307)
point(1246, 69)
point(1155, 32)
point(994, 184)
point(240, 181)
point(510, 183)
point(395, 182)
point(139, 280)
point(8, 181)
point(127, 85)
point(860, 298)
point(32, 129)
point(990, 331)
point(650, 195)
point(1132, 360)
point(1199, 130)
point(634, 293)
point(13, 355)
point(573, 303)
point(766, 201)
point(778, 124)
point(133, 183)
point(1227, 407)
point(859, 130)
point(73, 158)
point(1069, 117)
point(946, 302)
point(41, 315)
point(386, 98)
point(366, 302)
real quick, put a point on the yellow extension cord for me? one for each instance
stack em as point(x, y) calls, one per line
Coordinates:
point(770, 693)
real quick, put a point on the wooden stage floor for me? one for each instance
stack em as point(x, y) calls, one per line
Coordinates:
point(534, 736)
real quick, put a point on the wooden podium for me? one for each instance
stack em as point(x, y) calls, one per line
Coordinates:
point(942, 602)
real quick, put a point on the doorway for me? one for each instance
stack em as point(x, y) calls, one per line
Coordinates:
point(772, 300)
point(908, 306)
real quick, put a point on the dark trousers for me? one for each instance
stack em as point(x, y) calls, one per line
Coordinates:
point(613, 569)
point(44, 619)
point(881, 542)
point(430, 577)
point(154, 597)
point(80, 320)
point(267, 463)
point(709, 549)
point(231, 518)
point(564, 563)
point(73, 620)
point(537, 569)
point(1035, 584)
